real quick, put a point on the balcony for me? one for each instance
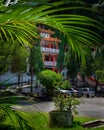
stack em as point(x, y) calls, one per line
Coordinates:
point(49, 50)
point(50, 63)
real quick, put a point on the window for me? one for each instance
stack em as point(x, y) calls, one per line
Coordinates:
point(44, 35)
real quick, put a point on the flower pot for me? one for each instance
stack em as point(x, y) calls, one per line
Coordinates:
point(60, 118)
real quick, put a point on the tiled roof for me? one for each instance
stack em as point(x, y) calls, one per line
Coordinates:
point(52, 39)
point(46, 31)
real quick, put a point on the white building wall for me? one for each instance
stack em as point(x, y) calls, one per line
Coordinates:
point(10, 78)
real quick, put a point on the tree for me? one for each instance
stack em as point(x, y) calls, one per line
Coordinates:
point(5, 56)
point(19, 22)
point(78, 30)
point(13, 57)
point(60, 59)
point(50, 79)
point(72, 64)
point(98, 63)
point(35, 61)
point(100, 75)
point(19, 55)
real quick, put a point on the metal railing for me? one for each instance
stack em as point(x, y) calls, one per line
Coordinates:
point(49, 50)
point(50, 63)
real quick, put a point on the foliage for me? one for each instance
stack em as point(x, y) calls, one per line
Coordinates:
point(66, 103)
point(65, 85)
point(11, 114)
point(50, 79)
point(40, 121)
point(86, 69)
point(12, 55)
point(60, 59)
point(5, 56)
point(19, 55)
point(100, 75)
point(35, 60)
point(98, 63)
point(22, 20)
point(65, 107)
point(71, 63)
point(2, 116)
point(99, 8)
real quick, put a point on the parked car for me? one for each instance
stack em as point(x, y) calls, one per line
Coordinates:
point(100, 93)
point(88, 92)
point(80, 93)
point(64, 91)
point(71, 92)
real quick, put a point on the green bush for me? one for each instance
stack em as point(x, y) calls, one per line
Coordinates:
point(66, 103)
point(50, 79)
point(66, 85)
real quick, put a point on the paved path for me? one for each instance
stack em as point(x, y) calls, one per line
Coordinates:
point(91, 107)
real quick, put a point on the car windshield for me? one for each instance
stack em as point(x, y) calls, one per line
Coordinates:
point(91, 89)
point(102, 89)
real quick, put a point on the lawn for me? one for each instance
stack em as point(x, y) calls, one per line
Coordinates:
point(39, 121)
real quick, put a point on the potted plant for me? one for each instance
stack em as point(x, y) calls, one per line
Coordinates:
point(65, 108)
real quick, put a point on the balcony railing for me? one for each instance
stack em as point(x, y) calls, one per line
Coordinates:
point(50, 63)
point(49, 50)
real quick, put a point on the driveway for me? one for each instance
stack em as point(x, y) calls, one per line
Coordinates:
point(91, 107)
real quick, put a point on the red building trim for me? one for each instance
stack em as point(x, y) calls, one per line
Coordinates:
point(51, 48)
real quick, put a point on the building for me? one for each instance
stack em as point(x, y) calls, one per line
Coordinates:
point(49, 47)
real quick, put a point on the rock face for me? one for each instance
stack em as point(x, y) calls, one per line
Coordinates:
point(60, 119)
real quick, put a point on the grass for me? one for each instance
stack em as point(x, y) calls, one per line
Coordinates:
point(39, 121)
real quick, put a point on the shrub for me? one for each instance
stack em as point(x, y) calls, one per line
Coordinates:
point(50, 79)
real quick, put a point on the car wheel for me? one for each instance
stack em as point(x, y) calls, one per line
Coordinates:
point(97, 95)
point(87, 95)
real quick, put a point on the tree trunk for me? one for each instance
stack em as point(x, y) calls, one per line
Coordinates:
point(31, 81)
point(96, 85)
point(19, 77)
point(22, 79)
point(83, 78)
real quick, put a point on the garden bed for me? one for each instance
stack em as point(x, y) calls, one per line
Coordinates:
point(94, 124)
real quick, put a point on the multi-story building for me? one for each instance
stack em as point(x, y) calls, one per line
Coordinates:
point(49, 47)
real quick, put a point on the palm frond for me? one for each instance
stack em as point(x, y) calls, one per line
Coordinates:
point(8, 112)
point(20, 22)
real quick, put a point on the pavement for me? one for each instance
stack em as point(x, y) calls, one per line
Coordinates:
point(90, 107)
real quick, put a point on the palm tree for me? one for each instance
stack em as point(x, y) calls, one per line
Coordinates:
point(19, 22)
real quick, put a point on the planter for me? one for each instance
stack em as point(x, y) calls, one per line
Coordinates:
point(94, 124)
point(60, 118)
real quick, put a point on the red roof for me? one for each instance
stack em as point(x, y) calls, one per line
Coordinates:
point(46, 31)
point(52, 39)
